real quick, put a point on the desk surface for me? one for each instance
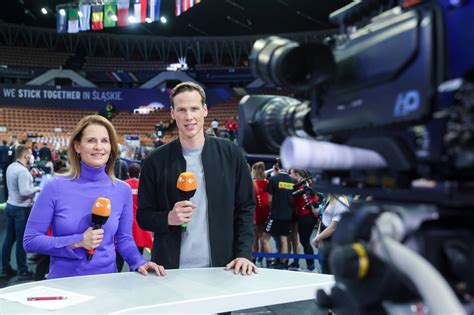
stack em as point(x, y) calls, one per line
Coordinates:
point(206, 290)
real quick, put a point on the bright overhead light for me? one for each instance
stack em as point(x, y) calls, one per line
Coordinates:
point(44, 11)
point(114, 18)
point(148, 20)
point(132, 19)
point(80, 14)
point(62, 12)
point(163, 20)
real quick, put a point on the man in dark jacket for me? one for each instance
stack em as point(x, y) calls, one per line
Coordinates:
point(45, 153)
point(219, 216)
point(4, 160)
point(7, 160)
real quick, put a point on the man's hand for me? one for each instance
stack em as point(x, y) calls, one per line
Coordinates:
point(158, 269)
point(182, 212)
point(242, 266)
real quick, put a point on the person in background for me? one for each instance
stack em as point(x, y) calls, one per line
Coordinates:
point(35, 149)
point(42, 261)
point(232, 125)
point(280, 188)
point(306, 211)
point(4, 159)
point(293, 242)
point(45, 153)
point(219, 215)
point(336, 205)
point(215, 126)
point(120, 169)
point(10, 159)
point(262, 209)
point(20, 199)
point(66, 204)
point(143, 239)
point(55, 155)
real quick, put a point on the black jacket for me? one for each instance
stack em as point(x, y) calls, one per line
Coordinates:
point(230, 198)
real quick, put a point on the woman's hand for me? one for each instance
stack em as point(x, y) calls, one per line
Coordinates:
point(158, 269)
point(316, 241)
point(91, 239)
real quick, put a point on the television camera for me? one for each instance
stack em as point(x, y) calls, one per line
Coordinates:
point(387, 112)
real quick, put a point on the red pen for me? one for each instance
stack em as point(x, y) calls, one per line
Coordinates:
point(46, 298)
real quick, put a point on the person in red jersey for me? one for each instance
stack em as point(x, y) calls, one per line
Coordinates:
point(262, 208)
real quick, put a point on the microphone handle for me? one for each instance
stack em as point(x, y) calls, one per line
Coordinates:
point(91, 252)
point(187, 196)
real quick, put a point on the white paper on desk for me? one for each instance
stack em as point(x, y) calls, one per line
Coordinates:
point(21, 297)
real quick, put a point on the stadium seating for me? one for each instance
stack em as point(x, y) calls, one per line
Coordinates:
point(116, 64)
point(25, 57)
point(23, 121)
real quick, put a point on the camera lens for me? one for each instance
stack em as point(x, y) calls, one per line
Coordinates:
point(270, 119)
point(287, 63)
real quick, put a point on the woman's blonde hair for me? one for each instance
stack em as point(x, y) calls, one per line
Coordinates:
point(258, 170)
point(76, 137)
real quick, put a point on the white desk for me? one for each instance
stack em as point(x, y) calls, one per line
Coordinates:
point(208, 290)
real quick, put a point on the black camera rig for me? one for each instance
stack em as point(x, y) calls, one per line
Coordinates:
point(388, 113)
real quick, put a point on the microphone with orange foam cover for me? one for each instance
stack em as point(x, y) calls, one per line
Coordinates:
point(187, 185)
point(100, 214)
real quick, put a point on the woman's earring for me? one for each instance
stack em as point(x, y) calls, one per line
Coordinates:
point(78, 155)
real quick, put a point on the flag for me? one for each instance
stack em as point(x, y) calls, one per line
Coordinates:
point(153, 10)
point(110, 11)
point(185, 5)
point(85, 18)
point(178, 9)
point(97, 17)
point(137, 8)
point(143, 10)
point(61, 22)
point(122, 12)
point(72, 20)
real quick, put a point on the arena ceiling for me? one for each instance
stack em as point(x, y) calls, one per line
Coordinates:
point(209, 18)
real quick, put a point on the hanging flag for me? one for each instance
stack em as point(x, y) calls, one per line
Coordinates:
point(61, 21)
point(97, 17)
point(122, 12)
point(153, 10)
point(110, 15)
point(73, 20)
point(185, 5)
point(137, 8)
point(85, 17)
point(143, 10)
point(178, 9)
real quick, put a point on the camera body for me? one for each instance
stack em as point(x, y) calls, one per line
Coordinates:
point(401, 86)
point(398, 83)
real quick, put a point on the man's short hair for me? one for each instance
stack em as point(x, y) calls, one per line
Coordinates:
point(134, 170)
point(187, 87)
point(279, 164)
point(20, 150)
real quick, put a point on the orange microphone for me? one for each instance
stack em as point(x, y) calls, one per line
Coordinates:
point(187, 185)
point(100, 213)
